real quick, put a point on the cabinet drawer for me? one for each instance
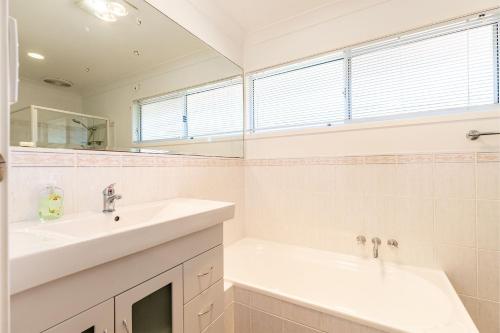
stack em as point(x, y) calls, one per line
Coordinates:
point(217, 326)
point(99, 319)
point(204, 309)
point(202, 271)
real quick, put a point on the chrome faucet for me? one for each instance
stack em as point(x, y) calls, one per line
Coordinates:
point(109, 198)
point(376, 242)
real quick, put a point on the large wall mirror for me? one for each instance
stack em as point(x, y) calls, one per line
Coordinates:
point(120, 75)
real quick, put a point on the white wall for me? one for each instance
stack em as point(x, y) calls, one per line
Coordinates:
point(39, 93)
point(201, 20)
point(432, 133)
point(345, 23)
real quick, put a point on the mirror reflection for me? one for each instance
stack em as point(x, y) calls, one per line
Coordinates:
point(134, 80)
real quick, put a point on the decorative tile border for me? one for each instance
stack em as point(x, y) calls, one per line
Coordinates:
point(380, 159)
point(42, 159)
point(68, 158)
point(417, 158)
point(488, 157)
point(455, 158)
point(97, 160)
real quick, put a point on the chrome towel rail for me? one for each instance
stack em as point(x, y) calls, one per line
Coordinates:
point(475, 134)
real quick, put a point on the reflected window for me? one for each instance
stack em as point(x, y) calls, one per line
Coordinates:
point(206, 111)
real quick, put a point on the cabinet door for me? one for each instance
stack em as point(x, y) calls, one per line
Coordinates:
point(153, 306)
point(99, 319)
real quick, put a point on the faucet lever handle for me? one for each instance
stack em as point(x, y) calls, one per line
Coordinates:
point(109, 190)
point(393, 243)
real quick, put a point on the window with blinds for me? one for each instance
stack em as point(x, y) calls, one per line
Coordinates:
point(449, 71)
point(443, 68)
point(308, 95)
point(211, 110)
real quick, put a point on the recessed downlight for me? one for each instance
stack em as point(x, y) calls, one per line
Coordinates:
point(36, 56)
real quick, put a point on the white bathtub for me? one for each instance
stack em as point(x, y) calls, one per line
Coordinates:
point(385, 296)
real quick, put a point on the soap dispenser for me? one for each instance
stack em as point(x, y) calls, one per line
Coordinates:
point(51, 205)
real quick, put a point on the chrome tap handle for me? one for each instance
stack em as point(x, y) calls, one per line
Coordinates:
point(393, 243)
point(361, 239)
point(109, 190)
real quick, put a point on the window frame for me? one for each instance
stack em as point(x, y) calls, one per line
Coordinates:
point(183, 93)
point(347, 54)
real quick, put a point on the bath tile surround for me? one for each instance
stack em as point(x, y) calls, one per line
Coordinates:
point(443, 208)
point(255, 313)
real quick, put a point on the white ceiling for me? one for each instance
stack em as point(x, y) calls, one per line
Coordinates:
point(253, 15)
point(72, 40)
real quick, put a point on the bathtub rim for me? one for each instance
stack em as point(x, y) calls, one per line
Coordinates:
point(435, 276)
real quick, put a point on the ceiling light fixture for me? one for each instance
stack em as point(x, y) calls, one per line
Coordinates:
point(105, 10)
point(35, 55)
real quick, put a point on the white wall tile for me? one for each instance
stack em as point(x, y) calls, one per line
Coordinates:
point(456, 221)
point(488, 318)
point(265, 323)
point(265, 303)
point(242, 319)
point(489, 275)
point(415, 217)
point(460, 265)
point(302, 315)
point(414, 180)
point(454, 180)
point(229, 319)
point(488, 181)
point(488, 224)
point(290, 327)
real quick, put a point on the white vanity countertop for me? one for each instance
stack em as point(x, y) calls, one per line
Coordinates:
point(43, 252)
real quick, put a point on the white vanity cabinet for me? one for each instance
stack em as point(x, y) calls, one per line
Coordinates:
point(175, 287)
point(98, 319)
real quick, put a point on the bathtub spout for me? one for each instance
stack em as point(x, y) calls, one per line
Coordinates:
point(376, 242)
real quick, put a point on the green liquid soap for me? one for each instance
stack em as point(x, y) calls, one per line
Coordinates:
point(51, 204)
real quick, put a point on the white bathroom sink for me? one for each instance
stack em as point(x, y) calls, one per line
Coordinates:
point(81, 241)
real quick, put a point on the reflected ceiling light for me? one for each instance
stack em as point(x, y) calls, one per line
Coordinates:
point(117, 9)
point(35, 55)
point(105, 10)
point(105, 16)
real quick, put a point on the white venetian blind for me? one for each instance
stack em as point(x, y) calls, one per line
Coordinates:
point(309, 95)
point(448, 71)
point(162, 119)
point(215, 111)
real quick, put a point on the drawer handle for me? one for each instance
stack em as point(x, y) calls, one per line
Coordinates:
point(206, 273)
point(124, 322)
point(206, 311)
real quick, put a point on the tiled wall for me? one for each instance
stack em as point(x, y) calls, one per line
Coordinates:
point(257, 313)
point(444, 209)
point(138, 177)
